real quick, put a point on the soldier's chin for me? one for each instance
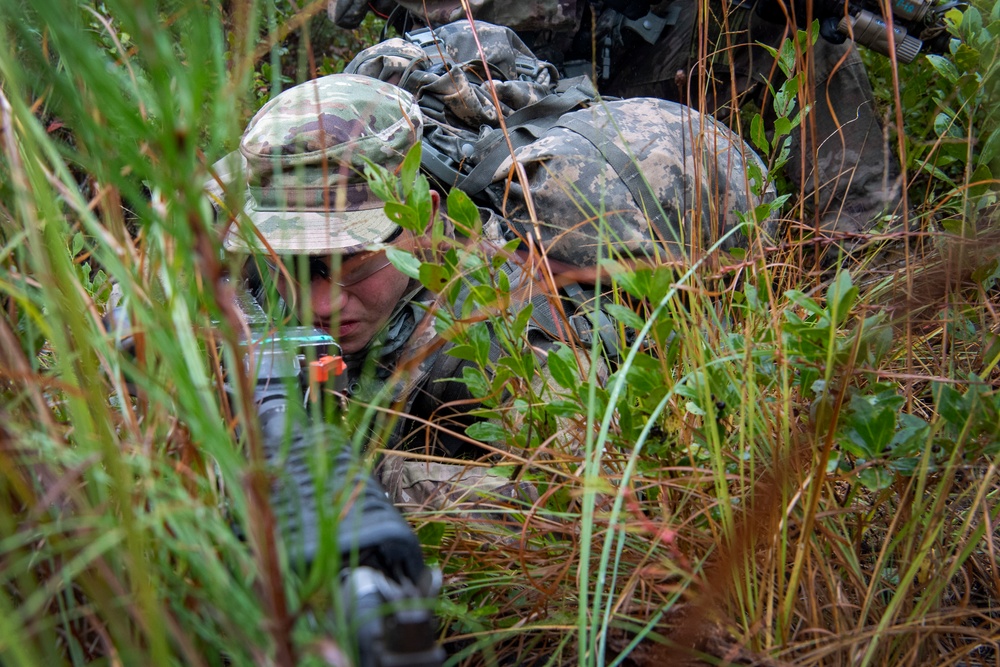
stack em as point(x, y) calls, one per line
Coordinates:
point(348, 336)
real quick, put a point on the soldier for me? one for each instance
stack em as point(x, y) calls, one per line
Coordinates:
point(846, 177)
point(322, 235)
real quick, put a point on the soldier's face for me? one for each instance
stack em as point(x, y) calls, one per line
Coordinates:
point(354, 299)
point(352, 302)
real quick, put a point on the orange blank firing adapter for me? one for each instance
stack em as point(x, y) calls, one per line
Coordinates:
point(326, 366)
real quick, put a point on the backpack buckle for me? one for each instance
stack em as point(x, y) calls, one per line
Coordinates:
point(527, 67)
point(606, 330)
point(423, 37)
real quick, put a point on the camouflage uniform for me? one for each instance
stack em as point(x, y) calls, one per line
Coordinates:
point(304, 153)
point(853, 178)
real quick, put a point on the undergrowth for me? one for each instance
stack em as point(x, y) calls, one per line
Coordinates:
point(785, 466)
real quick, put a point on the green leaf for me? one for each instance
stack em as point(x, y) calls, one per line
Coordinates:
point(503, 283)
point(476, 381)
point(951, 406)
point(985, 274)
point(972, 22)
point(967, 57)
point(757, 135)
point(943, 66)
point(419, 200)
point(434, 276)
point(405, 216)
point(562, 366)
point(431, 533)
point(482, 295)
point(694, 409)
point(872, 427)
point(875, 478)
point(527, 365)
point(911, 437)
point(782, 127)
point(954, 17)
point(907, 466)
point(785, 99)
point(752, 296)
point(646, 377)
point(786, 57)
point(981, 182)
point(486, 432)
point(522, 319)
point(381, 181)
point(990, 147)
point(840, 297)
point(936, 172)
point(464, 214)
point(404, 262)
point(506, 251)
point(991, 345)
point(959, 227)
point(803, 301)
point(637, 282)
point(563, 408)
point(833, 463)
point(410, 168)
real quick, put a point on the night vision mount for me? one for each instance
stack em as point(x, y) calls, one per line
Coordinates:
point(916, 25)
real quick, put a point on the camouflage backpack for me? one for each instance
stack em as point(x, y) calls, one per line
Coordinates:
point(607, 178)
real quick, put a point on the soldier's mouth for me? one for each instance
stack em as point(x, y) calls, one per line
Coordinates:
point(347, 328)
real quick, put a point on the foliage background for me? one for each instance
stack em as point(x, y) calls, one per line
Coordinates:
point(800, 468)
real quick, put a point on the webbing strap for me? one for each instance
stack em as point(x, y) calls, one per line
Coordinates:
point(523, 126)
point(624, 166)
point(496, 152)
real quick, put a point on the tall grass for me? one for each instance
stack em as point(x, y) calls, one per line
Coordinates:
point(120, 542)
point(790, 470)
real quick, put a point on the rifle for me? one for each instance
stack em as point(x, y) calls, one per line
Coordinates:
point(386, 588)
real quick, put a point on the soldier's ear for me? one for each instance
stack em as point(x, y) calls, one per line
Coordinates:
point(435, 207)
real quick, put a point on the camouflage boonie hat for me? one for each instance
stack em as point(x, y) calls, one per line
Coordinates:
point(306, 151)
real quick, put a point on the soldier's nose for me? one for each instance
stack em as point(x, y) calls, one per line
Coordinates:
point(327, 298)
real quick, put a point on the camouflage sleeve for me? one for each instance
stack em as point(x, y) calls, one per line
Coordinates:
point(429, 485)
point(555, 15)
point(350, 13)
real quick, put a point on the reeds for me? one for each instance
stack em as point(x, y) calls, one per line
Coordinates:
point(711, 510)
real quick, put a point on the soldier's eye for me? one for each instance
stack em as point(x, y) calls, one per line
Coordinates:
point(319, 269)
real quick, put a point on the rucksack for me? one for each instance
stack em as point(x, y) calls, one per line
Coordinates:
point(607, 177)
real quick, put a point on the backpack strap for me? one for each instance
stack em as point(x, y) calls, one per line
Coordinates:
point(523, 127)
point(624, 166)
